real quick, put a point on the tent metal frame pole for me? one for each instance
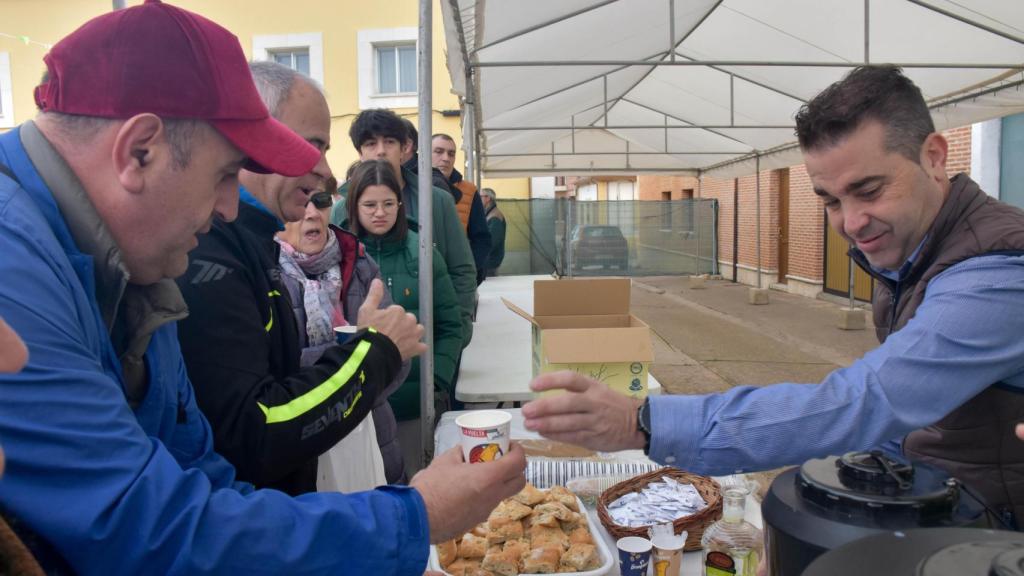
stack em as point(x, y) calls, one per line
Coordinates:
point(553, 154)
point(640, 127)
point(536, 27)
point(757, 216)
point(850, 264)
point(478, 176)
point(572, 121)
point(746, 63)
point(732, 100)
point(968, 21)
point(605, 79)
point(671, 48)
point(426, 232)
point(468, 138)
point(867, 30)
point(672, 29)
point(574, 171)
point(713, 130)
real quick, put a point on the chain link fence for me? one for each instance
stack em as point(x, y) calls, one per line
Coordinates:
point(605, 238)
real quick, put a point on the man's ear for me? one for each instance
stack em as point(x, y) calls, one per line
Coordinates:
point(138, 144)
point(934, 152)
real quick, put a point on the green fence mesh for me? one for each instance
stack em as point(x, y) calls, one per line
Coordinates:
point(621, 238)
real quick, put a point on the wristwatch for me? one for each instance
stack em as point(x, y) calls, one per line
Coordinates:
point(643, 423)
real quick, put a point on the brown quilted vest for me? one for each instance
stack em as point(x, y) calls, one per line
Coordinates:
point(976, 442)
point(465, 204)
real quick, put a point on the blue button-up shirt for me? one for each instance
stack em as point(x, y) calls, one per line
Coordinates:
point(965, 336)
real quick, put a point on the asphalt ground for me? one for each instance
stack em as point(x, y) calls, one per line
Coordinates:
point(711, 339)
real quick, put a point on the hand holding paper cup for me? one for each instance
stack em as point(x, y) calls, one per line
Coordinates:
point(484, 435)
point(342, 334)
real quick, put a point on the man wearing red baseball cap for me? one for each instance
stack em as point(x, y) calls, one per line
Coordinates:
point(147, 116)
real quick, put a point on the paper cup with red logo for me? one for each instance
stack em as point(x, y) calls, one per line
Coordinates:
point(484, 434)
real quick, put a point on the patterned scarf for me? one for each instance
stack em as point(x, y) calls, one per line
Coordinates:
point(320, 276)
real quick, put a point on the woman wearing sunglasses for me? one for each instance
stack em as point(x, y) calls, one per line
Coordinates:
point(328, 274)
point(376, 215)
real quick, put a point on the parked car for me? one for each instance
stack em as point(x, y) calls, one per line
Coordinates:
point(603, 246)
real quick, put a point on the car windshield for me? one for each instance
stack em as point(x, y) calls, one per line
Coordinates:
point(602, 232)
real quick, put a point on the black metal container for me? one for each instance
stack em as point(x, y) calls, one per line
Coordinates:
point(828, 502)
point(927, 552)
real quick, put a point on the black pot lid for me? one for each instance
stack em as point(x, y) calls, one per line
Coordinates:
point(875, 483)
point(927, 552)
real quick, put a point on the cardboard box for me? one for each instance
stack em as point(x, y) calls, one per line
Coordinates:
point(585, 326)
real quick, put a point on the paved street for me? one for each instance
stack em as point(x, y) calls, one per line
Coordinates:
point(711, 339)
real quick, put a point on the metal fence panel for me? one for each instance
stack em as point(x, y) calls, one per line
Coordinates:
point(619, 237)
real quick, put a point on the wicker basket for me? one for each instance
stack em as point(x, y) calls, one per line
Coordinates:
point(694, 524)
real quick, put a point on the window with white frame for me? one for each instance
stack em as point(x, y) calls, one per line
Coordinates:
point(396, 68)
point(387, 67)
point(301, 52)
point(294, 58)
point(6, 92)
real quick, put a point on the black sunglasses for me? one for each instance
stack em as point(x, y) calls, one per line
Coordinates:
point(322, 200)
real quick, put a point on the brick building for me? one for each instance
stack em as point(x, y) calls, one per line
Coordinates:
point(795, 239)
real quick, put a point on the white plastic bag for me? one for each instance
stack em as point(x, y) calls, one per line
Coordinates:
point(354, 464)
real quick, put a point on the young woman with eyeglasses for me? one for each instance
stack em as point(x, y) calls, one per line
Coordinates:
point(328, 274)
point(377, 216)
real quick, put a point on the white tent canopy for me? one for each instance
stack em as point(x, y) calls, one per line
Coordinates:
point(705, 86)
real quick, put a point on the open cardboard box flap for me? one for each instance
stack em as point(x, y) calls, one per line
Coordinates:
point(593, 296)
point(586, 345)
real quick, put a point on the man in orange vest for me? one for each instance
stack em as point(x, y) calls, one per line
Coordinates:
point(467, 201)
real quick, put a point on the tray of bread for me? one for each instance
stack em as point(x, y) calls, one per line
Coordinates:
point(533, 532)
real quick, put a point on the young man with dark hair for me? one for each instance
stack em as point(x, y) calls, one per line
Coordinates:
point(945, 385)
point(380, 134)
point(467, 201)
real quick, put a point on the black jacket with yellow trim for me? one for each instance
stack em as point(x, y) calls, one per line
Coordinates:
point(270, 418)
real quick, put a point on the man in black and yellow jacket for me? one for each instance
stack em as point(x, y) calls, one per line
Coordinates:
point(241, 344)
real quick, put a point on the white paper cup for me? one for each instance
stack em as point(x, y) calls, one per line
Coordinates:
point(484, 434)
point(343, 333)
point(668, 554)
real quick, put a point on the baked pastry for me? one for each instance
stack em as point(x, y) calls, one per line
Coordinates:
point(463, 567)
point(472, 546)
point(501, 530)
point(580, 536)
point(479, 530)
point(511, 510)
point(543, 536)
point(530, 495)
point(542, 561)
point(499, 561)
point(556, 509)
point(563, 495)
point(581, 557)
point(518, 547)
point(447, 552)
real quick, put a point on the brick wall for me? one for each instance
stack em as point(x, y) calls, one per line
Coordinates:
point(806, 227)
point(806, 216)
point(959, 158)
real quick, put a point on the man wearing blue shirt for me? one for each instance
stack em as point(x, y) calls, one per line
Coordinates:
point(945, 384)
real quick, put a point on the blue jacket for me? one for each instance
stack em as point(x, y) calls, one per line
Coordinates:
point(117, 491)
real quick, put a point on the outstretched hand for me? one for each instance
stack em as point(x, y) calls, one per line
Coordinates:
point(588, 414)
point(458, 495)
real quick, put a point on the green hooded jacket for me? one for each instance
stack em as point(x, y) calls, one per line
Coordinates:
point(449, 240)
point(399, 269)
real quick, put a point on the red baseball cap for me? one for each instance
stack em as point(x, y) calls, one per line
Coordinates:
point(163, 60)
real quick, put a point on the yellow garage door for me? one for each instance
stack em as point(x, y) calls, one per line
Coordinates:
point(837, 269)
